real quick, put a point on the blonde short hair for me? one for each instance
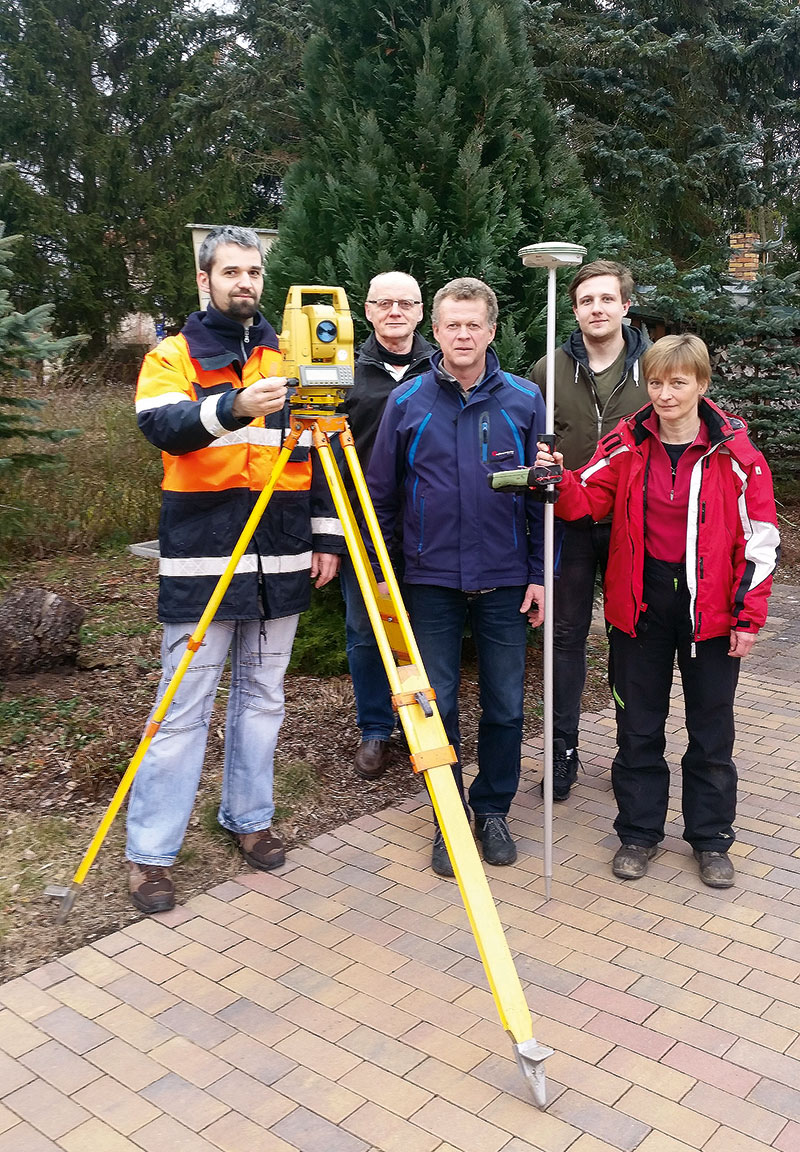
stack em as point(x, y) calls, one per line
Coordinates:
point(685, 353)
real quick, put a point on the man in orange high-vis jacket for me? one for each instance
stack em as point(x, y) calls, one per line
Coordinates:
point(213, 399)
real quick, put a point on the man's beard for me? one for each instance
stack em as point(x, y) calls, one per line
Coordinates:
point(237, 307)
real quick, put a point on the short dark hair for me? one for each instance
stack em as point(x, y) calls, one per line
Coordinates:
point(466, 288)
point(603, 268)
point(684, 353)
point(226, 234)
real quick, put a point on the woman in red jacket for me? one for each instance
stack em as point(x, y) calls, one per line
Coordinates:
point(694, 543)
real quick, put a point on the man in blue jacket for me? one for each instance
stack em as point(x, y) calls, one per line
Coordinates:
point(470, 553)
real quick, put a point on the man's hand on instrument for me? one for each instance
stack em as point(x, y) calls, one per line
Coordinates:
point(261, 398)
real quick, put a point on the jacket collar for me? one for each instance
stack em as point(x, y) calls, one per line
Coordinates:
point(491, 376)
point(215, 341)
point(635, 345)
point(421, 351)
point(721, 425)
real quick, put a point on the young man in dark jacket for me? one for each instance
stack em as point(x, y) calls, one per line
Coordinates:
point(213, 399)
point(597, 382)
point(469, 553)
point(393, 353)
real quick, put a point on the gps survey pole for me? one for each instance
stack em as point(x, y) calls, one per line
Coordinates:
point(550, 256)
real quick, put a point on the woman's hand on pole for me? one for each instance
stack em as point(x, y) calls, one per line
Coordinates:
point(545, 457)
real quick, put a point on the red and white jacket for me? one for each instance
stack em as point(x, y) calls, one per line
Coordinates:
point(732, 540)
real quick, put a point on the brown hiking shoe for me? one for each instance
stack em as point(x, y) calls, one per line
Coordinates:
point(262, 850)
point(151, 887)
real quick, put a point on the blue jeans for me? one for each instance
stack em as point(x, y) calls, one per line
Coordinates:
point(498, 629)
point(166, 784)
point(374, 713)
point(584, 550)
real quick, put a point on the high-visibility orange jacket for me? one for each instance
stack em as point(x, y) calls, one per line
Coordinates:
point(215, 466)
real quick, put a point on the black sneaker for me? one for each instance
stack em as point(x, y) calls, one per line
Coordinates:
point(565, 770)
point(440, 860)
point(498, 844)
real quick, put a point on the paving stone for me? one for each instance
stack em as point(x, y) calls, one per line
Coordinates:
point(126, 1064)
point(308, 1132)
point(319, 1094)
point(73, 1030)
point(383, 1129)
point(135, 1028)
point(64, 1070)
point(262, 1063)
point(151, 964)
point(234, 1133)
point(17, 1036)
point(165, 1133)
point(144, 995)
point(94, 1136)
point(117, 1105)
point(23, 1138)
point(667, 1116)
point(741, 1115)
point(393, 1055)
point(46, 1109)
point(185, 1102)
point(189, 1061)
point(469, 1133)
point(200, 1027)
point(261, 1104)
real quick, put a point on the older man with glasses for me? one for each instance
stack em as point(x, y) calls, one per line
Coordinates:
point(393, 353)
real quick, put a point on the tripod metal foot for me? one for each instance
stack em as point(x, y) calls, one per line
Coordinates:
point(530, 1058)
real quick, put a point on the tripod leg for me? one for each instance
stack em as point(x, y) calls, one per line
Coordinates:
point(432, 755)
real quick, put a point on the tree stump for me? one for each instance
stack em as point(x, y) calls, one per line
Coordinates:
point(38, 629)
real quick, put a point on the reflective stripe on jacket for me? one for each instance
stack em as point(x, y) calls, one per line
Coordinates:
point(732, 538)
point(215, 467)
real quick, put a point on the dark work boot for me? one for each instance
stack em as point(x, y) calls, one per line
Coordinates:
point(716, 870)
point(370, 759)
point(631, 860)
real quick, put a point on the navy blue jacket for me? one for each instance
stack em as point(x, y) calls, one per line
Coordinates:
point(429, 467)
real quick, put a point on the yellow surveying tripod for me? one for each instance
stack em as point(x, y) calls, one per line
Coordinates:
point(317, 343)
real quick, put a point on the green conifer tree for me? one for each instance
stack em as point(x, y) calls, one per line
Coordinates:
point(117, 136)
point(684, 115)
point(758, 365)
point(427, 146)
point(25, 340)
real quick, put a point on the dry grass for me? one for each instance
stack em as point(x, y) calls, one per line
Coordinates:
point(104, 492)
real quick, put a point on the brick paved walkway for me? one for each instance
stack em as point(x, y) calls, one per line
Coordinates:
point(338, 1006)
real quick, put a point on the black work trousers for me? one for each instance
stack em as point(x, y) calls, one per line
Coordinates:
point(640, 672)
point(583, 552)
